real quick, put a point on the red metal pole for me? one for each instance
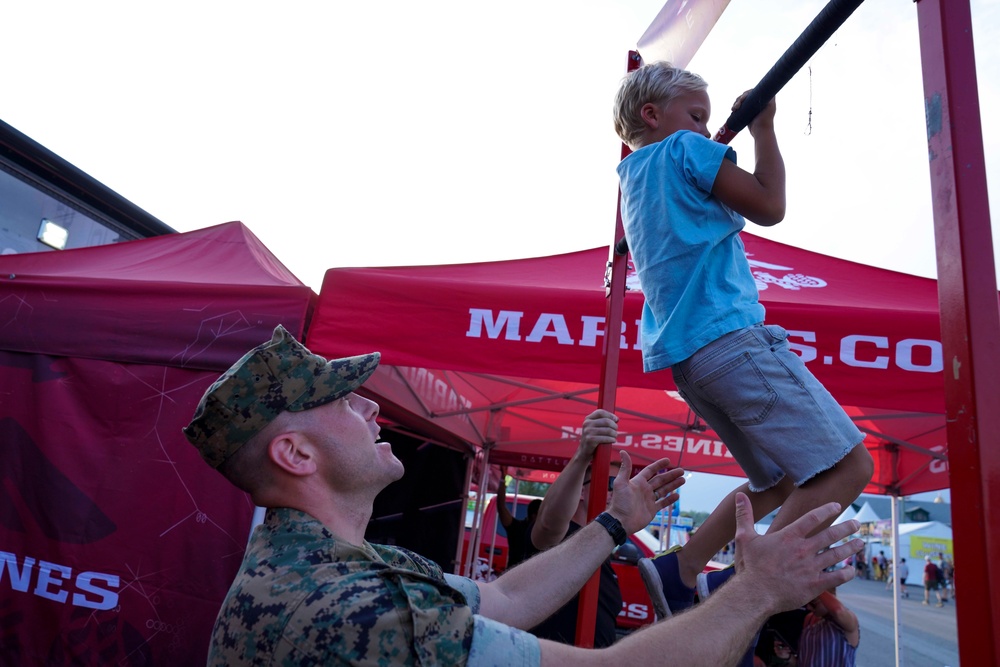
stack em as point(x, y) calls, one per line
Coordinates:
point(586, 615)
point(970, 316)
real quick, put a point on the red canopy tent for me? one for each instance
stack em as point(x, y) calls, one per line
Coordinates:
point(117, 543)
point(507, 356)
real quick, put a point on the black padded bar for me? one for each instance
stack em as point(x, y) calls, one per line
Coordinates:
point(802, 49)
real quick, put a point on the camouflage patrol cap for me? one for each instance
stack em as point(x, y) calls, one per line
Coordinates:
point(273, 377)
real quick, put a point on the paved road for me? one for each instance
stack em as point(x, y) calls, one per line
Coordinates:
point(929, 634)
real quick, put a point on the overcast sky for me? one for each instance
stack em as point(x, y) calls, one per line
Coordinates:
point(387, 133)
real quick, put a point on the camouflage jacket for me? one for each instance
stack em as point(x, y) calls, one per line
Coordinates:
point(301, 597)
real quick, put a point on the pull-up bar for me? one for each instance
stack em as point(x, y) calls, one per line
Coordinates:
point(802, 49)
point(791, 61)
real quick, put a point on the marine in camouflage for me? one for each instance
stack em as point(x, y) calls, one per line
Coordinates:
point(302, 597)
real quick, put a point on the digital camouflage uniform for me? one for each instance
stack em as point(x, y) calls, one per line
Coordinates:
point(302, 597)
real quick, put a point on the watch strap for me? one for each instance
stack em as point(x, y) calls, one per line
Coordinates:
point(613, 526)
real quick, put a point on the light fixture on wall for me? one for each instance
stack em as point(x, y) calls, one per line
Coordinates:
point(52, 234)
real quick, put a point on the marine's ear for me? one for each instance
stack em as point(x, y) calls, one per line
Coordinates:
point(292, 452)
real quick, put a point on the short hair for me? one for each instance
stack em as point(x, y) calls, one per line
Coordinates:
point(247, 468)
point(533, 506)
point(654, 82)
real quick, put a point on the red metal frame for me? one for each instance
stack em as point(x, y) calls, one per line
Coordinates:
point(970, 316)
point(587, 610)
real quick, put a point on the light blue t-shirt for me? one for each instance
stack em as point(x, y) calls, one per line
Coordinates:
point(686, 248)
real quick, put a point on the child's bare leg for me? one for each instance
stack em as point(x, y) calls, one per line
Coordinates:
point(720, 527)
point(842, 483)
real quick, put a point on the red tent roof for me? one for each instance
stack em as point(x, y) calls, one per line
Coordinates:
point(509, 354)
point(217, 281)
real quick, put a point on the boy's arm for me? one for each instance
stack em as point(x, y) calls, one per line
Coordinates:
point(563, 497)
point(759, 196)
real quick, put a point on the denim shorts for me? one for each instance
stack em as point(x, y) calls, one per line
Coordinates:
point(775, 418)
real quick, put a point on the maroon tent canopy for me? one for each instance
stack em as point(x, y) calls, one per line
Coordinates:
point(508, 355)
point(117, 543)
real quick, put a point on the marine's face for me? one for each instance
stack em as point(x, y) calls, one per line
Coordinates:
point(348, 430)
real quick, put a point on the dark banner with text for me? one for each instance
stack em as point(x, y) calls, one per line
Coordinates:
point(117, 543)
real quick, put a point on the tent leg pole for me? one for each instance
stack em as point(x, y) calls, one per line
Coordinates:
point(484, 476)
point(896, 592)
point(459, 562)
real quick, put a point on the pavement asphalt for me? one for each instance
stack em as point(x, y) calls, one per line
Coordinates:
point(928, 634)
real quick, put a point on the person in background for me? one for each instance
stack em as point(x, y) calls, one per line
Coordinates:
point(876, 567)
point(289, 428)
point(949, 576)
point(859, 565)
point(562, 513)
point(904, 573)
point(830, 633)
point(932, 581)
point(944, 580)
point(779, 640)
point(517, 529)
point(773, 650)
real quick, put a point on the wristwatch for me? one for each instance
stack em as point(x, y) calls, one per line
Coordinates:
point(613, 526)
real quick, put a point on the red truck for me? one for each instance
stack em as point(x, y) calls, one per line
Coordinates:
point(491, 559)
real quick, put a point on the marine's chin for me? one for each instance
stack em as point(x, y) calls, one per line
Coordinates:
point(396, 464)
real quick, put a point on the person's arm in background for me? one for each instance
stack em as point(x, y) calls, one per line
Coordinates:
point(506, 518)
point(563, 498)
point(525, 595)
point(843, 617)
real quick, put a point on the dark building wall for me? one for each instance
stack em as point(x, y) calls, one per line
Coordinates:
point(37, 185)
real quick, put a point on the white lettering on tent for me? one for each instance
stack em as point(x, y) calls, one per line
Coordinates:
point(106, 598)
point(506, 319)
point(49, 576)
point(671, 443)
point(915, 355)
point(789, 281)
point(52, 581)
point(593, 328)
point(938, 465)
point(18, 578)
point(849, 351)
point(705, 446)
point(806, 352)
point(506, 324)
point(558, 329)
point(663, 443)
point(761, 276)
point(904, 355)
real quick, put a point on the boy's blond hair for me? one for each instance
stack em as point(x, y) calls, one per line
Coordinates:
point(655, 82)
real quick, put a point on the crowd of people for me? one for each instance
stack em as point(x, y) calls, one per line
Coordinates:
point(938, 575)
